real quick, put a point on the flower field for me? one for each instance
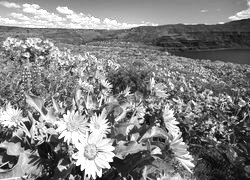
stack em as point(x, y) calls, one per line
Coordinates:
point(118, 110)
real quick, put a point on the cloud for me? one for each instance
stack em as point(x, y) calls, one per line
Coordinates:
point(191, 23)
point(111, 23)
point(24, 21)
point(9, 4)
point(83, 20)
point(204, 10)
point(41, 13)
point(245, 14)
point(64, 10)
point(7, 21)
point(114, 24)
point(34, 9)
point(20, 16)
point(74, 26)
point(33, 15)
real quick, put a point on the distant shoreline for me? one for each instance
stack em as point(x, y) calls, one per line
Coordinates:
point(207, 50)
point(239, 56)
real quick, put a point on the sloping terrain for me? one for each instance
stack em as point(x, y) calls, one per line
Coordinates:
point(235, 34)
point(209, 101)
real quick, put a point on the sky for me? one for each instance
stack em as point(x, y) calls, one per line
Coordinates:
point(119, 14)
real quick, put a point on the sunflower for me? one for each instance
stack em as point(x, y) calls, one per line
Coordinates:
point(99, 124)
point(94, 154)
point(170, 121)
point(180, 151)
point(72, 127)
point(11, 117)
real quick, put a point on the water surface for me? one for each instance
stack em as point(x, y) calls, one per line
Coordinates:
point(240, 56)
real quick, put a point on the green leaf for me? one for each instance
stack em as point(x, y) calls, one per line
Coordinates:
point(63, 168)
point(118, 131)
point(24, 164)
point(90, 104)
point(155, 132)
point(132, 123)
point(57, 107)
point(13, 149)
point(159, 165)
point(123, 148)
point(51, 131)
point(125, 107)
point(24, 129)
point(132, 163)
point(78, 96)
point(38, 104)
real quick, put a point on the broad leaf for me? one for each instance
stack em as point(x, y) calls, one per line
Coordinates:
point(38, 104)
point(119, 131)
point(123, 148)
point(24, 165)
point(132, 123)
point(57, 107)
point(132, 163)
point(155, 132)
point(63, 169)
point(13, 149)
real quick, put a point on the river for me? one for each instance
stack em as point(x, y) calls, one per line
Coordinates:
point(240, 56)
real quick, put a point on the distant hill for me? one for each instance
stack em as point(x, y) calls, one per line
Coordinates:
point(235, 34)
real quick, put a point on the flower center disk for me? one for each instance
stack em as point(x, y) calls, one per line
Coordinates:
point(72, 126)
point(97, 126)
point(90, 151)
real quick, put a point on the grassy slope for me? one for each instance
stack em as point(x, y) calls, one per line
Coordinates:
point(201, 74)
point(217, 76)
point(220, 77)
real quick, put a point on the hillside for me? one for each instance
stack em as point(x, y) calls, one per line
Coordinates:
point(235, 34)
point(196, 112)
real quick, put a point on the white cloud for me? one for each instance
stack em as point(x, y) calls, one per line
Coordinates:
point(154, 24)
point(191, 23)
point(7, 21)
point(34, 9)
point(242, 14)
point(20, 16)
point(114, 24)
point(41, 13)
point(30, 8)
point(50, 17)
point(64, 10)
point(204, 10)
point(34, 16)
point(9, 4)
point(111, 23)
point(143, 23)
point(82, 21)
point(74, 26)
